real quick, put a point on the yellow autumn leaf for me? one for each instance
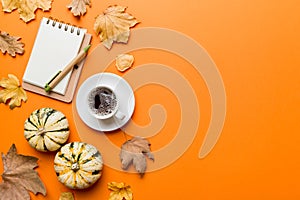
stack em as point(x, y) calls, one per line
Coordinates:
point(66, 196)
point(78, 7)
point(10, 44)
point(119, 191)
point(124, 61)
point(26, 8)
point(114, 25)
point(12, 91)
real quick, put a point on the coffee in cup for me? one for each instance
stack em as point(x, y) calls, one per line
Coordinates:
point(103, 103)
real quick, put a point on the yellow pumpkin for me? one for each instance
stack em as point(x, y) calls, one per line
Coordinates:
point(78, 165)
point(46, 129)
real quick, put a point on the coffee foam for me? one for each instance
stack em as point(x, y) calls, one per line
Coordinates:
point(102, 101)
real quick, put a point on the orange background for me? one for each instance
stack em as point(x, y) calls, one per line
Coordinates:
point(255, 45)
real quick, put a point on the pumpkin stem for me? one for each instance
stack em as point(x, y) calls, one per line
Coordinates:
point(75, 167)
point(41, 131)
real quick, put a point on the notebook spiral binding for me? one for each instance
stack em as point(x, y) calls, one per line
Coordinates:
point(54, 21)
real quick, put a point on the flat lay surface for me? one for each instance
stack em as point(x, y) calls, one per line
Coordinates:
point(202, 69)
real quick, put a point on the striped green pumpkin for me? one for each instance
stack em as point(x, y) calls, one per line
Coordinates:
point(46, 129)
point(78, 165)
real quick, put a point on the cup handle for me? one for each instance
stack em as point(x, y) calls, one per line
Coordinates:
point(119, 115)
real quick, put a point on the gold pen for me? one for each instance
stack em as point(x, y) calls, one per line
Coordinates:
point(61, 74)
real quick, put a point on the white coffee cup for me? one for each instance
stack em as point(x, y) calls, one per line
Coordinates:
point(103, 103)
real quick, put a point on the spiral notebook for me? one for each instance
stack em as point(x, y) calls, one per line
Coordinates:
point(56, 44)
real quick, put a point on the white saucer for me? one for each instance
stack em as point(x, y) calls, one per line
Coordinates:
point(123, 92)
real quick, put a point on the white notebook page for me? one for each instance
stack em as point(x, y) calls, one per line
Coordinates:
point(53, 49)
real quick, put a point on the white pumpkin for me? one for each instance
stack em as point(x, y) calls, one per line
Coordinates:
point(46, 129)
point(78, 165)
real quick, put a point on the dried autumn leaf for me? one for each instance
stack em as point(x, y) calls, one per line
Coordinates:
point(26, 8)
point(12, 91)
point(11, 44)
point(78, 7)
point(124, 61)
point(120, 191)
point(66, 196)
point(114, 25)
point(19, 176)
point(133, 152)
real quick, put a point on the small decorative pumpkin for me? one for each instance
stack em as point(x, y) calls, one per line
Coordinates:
point(46, 129)
point(78, 165)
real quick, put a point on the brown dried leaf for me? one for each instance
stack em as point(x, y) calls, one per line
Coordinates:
point(124, 61)
point(12, 91)
point(26, 8)
point(78, 7)
point(120, 191)
point(19, 176)
point(114, 25)
point(10, 44)
point(134, 151)
point(66, 196)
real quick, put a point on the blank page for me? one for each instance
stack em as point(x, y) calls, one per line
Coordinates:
point(56, 44)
